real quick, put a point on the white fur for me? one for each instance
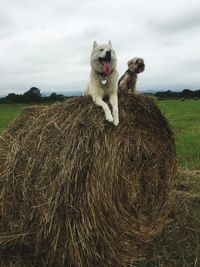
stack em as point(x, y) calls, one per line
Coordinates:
point(97, 89)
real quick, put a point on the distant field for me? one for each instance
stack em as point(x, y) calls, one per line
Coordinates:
point(8, 112)
point(184, 117)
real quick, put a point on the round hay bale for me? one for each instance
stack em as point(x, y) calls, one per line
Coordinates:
point(81, 191)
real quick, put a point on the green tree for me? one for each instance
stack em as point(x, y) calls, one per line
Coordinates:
point(32, 95)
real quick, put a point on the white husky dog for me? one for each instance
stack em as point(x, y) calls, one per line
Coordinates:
point(103, 79)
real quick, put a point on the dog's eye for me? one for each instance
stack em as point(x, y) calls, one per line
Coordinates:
point(101, 49)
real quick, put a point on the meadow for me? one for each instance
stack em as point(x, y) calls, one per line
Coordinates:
point(8, 112)
point(183, 116)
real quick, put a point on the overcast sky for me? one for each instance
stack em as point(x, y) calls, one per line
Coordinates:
point(48, 43)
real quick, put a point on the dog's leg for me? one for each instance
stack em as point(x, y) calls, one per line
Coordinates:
point(100, 102)
point(123, 85)
point(114, 104)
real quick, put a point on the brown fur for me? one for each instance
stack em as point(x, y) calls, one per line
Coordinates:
point(127, 83)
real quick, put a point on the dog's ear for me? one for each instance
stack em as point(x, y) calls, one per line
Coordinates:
point(130, 62)
point(109, 43)
point(94, 44)
point(135, 59)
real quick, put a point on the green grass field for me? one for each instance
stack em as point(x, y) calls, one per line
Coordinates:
point(184, 117)
point(8, 112)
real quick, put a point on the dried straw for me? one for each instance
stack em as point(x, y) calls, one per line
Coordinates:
point(78, 191)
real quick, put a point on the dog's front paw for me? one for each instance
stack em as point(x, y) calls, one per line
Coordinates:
point(109, 118)
point(116, 122)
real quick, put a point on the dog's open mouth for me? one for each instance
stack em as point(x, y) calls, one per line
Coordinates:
point(105, 62)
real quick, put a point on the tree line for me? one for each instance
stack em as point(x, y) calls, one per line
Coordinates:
point(186, 93)
point(33, 95)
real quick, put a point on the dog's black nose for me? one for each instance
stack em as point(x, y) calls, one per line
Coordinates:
point(108, 53)
point(141, 65)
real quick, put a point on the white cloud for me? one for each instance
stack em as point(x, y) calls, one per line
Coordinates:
point(48, 43)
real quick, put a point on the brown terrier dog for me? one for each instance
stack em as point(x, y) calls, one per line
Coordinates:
point(127, 83)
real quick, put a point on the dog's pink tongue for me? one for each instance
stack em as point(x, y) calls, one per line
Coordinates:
point(106, 68)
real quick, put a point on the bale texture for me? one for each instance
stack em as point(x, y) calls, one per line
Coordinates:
point(78, 191)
